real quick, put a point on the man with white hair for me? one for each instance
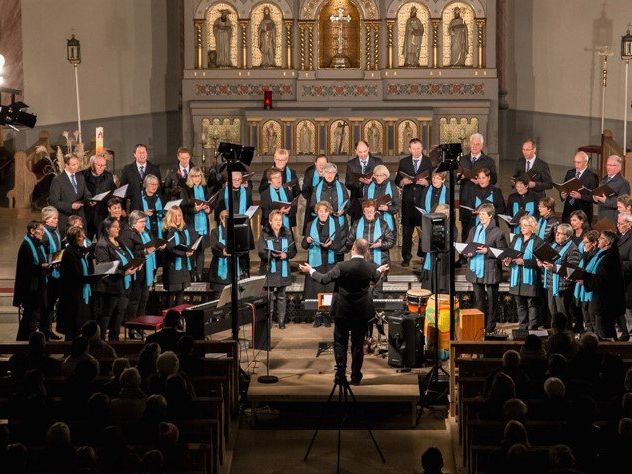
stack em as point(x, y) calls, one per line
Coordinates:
point(474, 160)
point(579, 200)
point(98, 180)
point(607, 205)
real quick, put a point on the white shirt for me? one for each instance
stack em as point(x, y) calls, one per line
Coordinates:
point(531, 161)
point(476, 157)
point(70, 175)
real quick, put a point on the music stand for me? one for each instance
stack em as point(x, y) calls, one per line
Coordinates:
point(323, 301)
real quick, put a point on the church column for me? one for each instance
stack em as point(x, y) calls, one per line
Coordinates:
point(481, 24)
point(389, 25)
point(302, 36)
point(376, 45)
point(436, 23)
point(310, 44)
point(199, 49)
point(244, 43)
point(368, 46)
point(289, 51)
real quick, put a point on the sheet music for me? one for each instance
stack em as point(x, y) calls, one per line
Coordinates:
point(423, 212)
point(459, 247)
point(100, 197)
point(496, 252)
point(120, 192)
point(251, 211)
point(173, 203)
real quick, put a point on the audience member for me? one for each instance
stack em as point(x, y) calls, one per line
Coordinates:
point(113, 386)
point(502, 389)
point(78, 390)
point(511, 367)
point(78, 353)
point(190, 362)
point(129, 405)
point(16, 459)
point(561, 341)
point(114, 454)
point(514, 433)
point(153, 462)
point(515, 409)
point(168, 442)
point(59, 453)
point(156, 412)
point(179, 398)
point(85, 460)
point(432, 461)
point(147, 360)
point(167, 338)
point(38, 358)
point(97, 347)
point(167, 364)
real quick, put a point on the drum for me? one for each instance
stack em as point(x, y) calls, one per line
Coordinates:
point(417, 299)
point(444, 323)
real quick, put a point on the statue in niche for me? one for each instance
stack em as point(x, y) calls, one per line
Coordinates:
point(270, 142)
point(223, 31)
point(373, 137)
point(267, 39)
point(458, 39)
point(305, 145)
point(412, 39)
point(339, 138)
point(407, 135)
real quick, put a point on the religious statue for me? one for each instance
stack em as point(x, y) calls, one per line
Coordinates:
point(305, 142)
point(412, 39)
point(373, 137)
point(267, 39)
point(339, 138)
point(270, 139)
point(458, 39)
point(223, 31)
point(340, 60)
point(407, 135)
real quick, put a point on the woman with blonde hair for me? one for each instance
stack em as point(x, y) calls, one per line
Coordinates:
point(176, 276)
point(196, 211)
point(524, 280)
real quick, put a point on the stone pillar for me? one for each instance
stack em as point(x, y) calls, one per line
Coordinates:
point(303, 44)
point(376, 45)
point(436, 23)
point(289, 50)
point(389, 45)
point(244, 43)
point(199, 48)
point(310, 45)
point(502, 39)
point(368, 46)
point(481, 27)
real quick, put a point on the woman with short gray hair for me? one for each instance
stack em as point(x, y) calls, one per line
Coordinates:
point(153, 206)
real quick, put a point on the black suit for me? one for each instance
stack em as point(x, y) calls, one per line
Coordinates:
point(411, 194)
point(620, 185)
point(541, 175)
point(166, 338)
point(351, 308)
point(132, 177)
point(354, 186)
point(175, 181)
point(97, 185)
point(590, 181)
point(62, 195)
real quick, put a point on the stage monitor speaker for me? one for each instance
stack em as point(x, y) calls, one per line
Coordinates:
point(242, 233)
point(435, 234)
point(405, 340)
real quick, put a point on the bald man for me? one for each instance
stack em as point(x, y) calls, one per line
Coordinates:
point(577, 201)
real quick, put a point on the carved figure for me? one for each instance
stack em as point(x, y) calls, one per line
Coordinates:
point(339, 135)
point(223, 31)
point(407, 136)
point(413, 36)
point(270, 139)
point(373, 137)
point(305, 145)
point(267, 39)
point(458, 39)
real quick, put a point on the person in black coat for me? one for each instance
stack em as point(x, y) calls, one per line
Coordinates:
point(152, 206)
point(220, 271)
point(98, 180)
point(313, 176)
point(580, 200)
point(68, 191)
point(289, 177)
point(484, 192)
point(74, 300)
point(176, 276)
point(112, 291)
point(523, 199)
point(362, 164)
point(535, 168)
point(379, 187)
point(196, 215)
point(471, 162)
point(607, 286)
point(484, 270)
point(411, 165)
point(548, 221)
point(607, 206)
point(133, 175)
point(276, 248)
point(351, 306)
point(115, 211)
point(176, 178)
point(624, 244)
point(167, 338)
point(53, 243)
point(29, 292)
point(275, 192)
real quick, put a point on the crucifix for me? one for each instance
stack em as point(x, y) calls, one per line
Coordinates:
point(604, 52)
point(340, 60)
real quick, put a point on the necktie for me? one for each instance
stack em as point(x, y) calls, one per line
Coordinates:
point(609, 178)
point(528, 166)
point(474, 158)
point(577, 174)
point(184, 173)
point(73, 181)
point(416, 165)
point(363, 163)
point(141, 169)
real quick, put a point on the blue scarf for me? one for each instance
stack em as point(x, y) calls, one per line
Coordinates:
point(315, 178)
point(478, 202)
point(377, 233)
point(442, 198)
point(527, 273)
point(86, 292)
point(201, 220)
point(388, 189)
point(542, 225)
point(242, 199)
point(477, 262)
point(580, 292)
point(556, 277)
point(127, 279)
point(529, 209)
point(222, 262)
point(287, 175)
point(315, 256)
point(87, 242)
point(281, 195)
point(157, 211)
point(150, 261)
point(187, 242)
point(54, 245)
point(284, 264)
point(340, 195)
point(37, 257)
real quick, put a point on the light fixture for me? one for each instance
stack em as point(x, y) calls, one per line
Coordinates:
point(73, 54)
point(626, 55)
point(14, 116)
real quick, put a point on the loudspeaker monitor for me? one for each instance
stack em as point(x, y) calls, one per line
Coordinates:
point(435, 234)
point(405, 340)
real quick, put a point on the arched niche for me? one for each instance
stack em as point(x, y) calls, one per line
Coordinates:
point(368, 9)
point(244, 9)
point(436, 7)
point(468, 15)
point(256, 17)
point(328, 34)
point(402, 15)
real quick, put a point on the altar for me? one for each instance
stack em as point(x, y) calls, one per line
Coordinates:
point(338, 71)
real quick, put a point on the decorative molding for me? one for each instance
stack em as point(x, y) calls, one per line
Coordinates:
point(436, 7)
point(239, 90)
point(369, 9)
point(244, 9)
point(345, 90)
point(436, 89)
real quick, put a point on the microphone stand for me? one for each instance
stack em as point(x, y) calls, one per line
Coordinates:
point(267, 378)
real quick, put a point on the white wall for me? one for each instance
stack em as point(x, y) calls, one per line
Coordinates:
point(552, 67)
point(130, 58)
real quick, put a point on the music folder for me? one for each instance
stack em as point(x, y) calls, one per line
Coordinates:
point(209, 202)
point(467, 173)
point(55, 259)
point(283, 204)
point(603, 190)
point(568, 186)
point(358, 176)
point(133, 264)
point(513, 220)
point(120, 192)
point(98, 197)
point(546, 253)
point(420, 175)
point(320, 244)
point(251, 211)
point(505, 253)
point(174, 203)
point(384, 200)
point(466, 249)
point(155, 243)
point(604, 224)
point(572, 272)
point(421, 211)
point(468, 208)
point(106, 268)
point(342, 209)
point(192, 248)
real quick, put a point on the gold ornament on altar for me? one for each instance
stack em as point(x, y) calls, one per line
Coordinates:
point(457, 130)
point(216, 130)
point(339, 35)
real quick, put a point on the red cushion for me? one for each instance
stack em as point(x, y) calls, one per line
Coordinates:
point(178, 308)
point(145, 322)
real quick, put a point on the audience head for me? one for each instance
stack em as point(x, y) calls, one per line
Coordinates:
point(511, 359)
point(554, 389)
point(156, 407)
point(99, 406)
point(432, 461)
point(515, 432)
point(58, 435)
point(91, 331)
point(627, 383)
point(172, 319)
point(152, 462)
point(86, 370)
point(17, 366)
point(147, 359)
point(16, 458)
point(561, 457)
point(558, 366)
point(589, 342)
point(515, 409)
point(559, 322)
point(625, 428)
point(503, 387)
point(175, 388)
point(33, 382)
point(626, 404)
point(532, 343)
point(79, 346)
point(185, 345)
point(118, 366)
point(85, 459)
point(130, 378)
point(114, 440)
point(37, 343)
point(168, 434)
point(167, 363)
point(583, 410)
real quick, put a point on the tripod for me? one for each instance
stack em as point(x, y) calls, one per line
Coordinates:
point(344, 392)
point(430, 383)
